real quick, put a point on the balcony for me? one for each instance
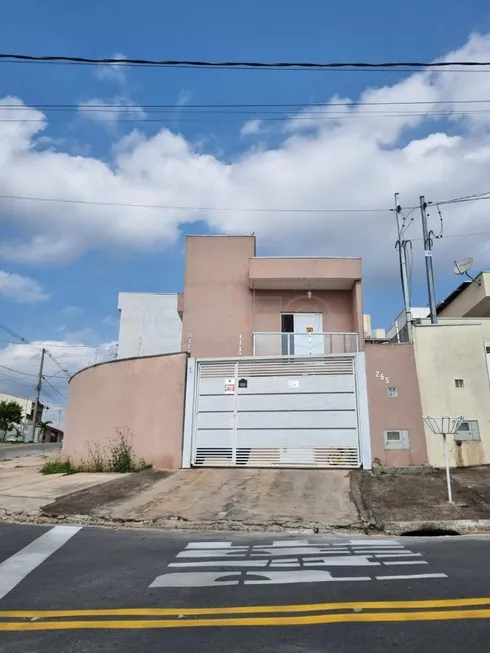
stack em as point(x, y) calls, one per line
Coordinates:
point(304, 344)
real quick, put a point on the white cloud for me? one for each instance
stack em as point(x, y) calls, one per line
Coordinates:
point(21, 289)
point(19, 366)
point(111, 321)
point(351, 157)
point(113, 72)
point(251, 127)
point(109, 112)
point(73, 311)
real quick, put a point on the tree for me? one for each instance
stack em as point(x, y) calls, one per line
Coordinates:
point(42, 428)
point(10, 416)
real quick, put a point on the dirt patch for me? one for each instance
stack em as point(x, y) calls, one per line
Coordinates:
point(420, 494)
point(90, 499)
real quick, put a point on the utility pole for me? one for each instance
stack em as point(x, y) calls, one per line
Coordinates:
point(428, 261)
point(402, 253)
point(38, 394)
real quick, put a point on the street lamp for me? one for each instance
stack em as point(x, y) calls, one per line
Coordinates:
point(445, 425)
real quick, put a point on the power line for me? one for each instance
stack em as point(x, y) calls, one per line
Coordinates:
point(463, 235)
point(185, 107)
point(466, 198)
point(12, 333)
point(50, 355)
point(362, 65)
point(52, 344)
point(479, 196)
point(17, 371)
point(16, 381)
point(316, 116)
point(189, 208)
point(55, 389)
point(26, 342)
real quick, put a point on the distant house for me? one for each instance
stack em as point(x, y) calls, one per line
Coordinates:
point(52, 434)
point(27, 406)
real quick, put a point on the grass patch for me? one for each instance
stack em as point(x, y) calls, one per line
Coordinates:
point(58, 467)
point(118, 458)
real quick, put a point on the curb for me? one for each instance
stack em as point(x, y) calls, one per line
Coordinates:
point(177, 523)
point(460, 526)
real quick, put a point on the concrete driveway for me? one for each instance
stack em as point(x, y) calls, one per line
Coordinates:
point(221, 498)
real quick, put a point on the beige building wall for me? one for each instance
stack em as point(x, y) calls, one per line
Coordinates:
point(455, 349)
point(403, 412)
point(474, 301)
point(142, 396)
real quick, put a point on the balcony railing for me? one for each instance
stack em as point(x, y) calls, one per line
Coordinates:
point(304, 344)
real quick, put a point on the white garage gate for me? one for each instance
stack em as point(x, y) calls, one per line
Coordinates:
point(269, 412)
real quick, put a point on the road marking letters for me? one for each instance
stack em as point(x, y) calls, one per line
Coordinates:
point(287, 562)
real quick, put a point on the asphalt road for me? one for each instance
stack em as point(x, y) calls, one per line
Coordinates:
point(73, 590)
point(12, 450)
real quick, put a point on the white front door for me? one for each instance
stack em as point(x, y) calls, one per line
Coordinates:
point(308, 334)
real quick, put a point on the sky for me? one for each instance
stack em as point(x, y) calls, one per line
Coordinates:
point(62, 263)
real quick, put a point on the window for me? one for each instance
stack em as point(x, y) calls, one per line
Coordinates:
point(396, 439)
point(459, 383)
point(468, 431)
point(393, 436)
point(392, 392)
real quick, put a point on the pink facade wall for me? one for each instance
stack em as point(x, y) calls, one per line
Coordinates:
point(143, 397)
point(217, 299)
point(357, 313)
point(335, 306)
point(397, 362)
point(269, 270)
point(220, 311)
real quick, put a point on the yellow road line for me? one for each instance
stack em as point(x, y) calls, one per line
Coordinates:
point(252, 609)
point(447, 615)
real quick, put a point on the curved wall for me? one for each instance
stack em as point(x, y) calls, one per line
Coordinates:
point(143, 396)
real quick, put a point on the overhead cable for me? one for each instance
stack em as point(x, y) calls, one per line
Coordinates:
point(176, 63)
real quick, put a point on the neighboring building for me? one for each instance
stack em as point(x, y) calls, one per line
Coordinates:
point(453, 368)
point(370, 333)
point(470, 299)
point(397, 332)
point(149, 324)
point(52, 434)
point(27, 406)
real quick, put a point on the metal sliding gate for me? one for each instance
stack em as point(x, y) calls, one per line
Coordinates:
point(295, 412)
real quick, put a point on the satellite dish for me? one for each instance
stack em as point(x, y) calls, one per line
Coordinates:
point(462, 266)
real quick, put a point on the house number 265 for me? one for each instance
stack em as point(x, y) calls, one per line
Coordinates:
point(380, 375)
